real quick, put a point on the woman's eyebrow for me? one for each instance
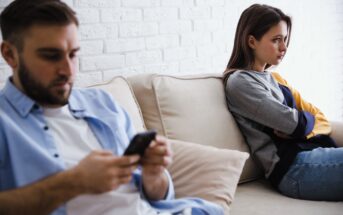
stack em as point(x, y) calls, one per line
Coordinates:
point(280, 35)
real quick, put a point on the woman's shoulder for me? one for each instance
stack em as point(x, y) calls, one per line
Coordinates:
point(246, 76)
point(279, 78)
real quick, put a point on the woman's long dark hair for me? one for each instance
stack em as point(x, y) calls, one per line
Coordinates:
point(256, 20)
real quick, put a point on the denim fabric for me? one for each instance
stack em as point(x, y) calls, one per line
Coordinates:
point(315, 175)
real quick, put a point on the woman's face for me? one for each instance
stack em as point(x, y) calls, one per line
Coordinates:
point(271, 48)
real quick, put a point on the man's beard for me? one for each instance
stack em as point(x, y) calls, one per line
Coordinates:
point(42, 94)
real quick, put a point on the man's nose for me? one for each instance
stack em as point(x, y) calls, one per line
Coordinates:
point(67, 67)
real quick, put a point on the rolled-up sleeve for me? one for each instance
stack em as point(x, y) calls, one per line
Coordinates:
point(139, 182)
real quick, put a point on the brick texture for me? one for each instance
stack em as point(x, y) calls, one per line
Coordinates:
point(124, 37)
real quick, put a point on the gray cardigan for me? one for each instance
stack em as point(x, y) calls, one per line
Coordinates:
point(256, 102)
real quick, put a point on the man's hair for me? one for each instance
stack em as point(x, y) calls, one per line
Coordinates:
point(20, 15)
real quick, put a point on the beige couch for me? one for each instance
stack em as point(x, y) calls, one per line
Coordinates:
point(193, 109)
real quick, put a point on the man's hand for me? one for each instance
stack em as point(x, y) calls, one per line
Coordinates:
point(156, 158)
point(101, 171)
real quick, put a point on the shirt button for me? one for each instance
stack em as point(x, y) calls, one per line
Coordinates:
point(56, 155)
point(46, 127)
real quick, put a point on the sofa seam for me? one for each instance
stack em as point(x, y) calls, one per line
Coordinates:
point(158, 106)
point(136, 102)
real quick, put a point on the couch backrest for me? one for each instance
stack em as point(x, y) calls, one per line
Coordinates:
point(190, 108)
point(121, 91)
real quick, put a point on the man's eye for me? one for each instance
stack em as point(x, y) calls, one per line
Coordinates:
point(52, 57)
point(73, 55)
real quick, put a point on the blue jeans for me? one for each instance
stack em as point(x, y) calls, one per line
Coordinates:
point(315, 175)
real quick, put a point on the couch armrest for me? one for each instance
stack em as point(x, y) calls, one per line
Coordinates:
point(337, 132)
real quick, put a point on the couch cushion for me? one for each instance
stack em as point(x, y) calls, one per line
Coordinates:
point(259, 198)
point(191, 108)
point(142, 87)
point(121, 91)
point(206, 172)
point(337, 132)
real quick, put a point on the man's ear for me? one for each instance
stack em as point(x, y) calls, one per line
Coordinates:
point(251, 41)
point(10, 54)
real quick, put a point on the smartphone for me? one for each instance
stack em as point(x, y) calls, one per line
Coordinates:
point(140, 142)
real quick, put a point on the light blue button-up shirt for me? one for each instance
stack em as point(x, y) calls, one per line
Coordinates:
point(28, 152)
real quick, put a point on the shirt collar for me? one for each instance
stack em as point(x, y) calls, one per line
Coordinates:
point(20, 102)
point(75, 105)
point(24, 104)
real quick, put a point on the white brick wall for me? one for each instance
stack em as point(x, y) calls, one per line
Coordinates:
point(196, 36)
point(338, 91)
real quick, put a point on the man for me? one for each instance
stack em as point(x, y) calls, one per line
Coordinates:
point(60, 148)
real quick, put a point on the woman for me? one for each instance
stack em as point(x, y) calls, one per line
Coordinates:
point(287, 136)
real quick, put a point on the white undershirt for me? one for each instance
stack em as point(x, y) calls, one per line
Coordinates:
point(75, 140)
